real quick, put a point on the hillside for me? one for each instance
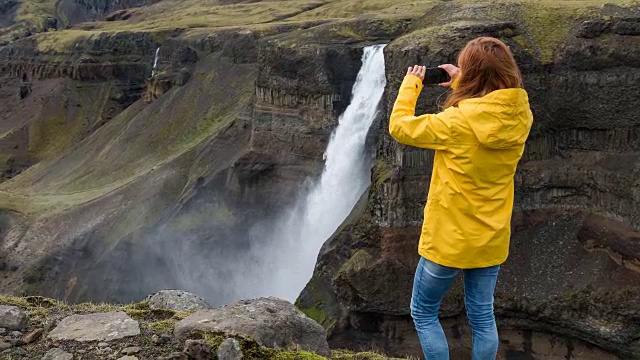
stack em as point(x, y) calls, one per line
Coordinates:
point(117, 183)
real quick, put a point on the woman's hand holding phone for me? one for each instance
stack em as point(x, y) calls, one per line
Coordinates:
point(418, 71)
point(453, 72)
point(421, 72)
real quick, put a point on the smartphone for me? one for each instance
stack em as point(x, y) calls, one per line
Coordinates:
point(436, 76)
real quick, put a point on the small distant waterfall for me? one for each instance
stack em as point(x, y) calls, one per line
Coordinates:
point(155, 63)
point(298, 237)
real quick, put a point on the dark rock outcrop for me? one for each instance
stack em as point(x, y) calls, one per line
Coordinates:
point(571, 283)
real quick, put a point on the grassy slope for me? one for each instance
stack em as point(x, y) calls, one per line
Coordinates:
point(134, 143)
point(547, 21)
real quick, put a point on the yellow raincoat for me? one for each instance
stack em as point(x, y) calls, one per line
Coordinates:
point(467, 219)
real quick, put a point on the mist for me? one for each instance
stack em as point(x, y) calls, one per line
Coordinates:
point(276, 254)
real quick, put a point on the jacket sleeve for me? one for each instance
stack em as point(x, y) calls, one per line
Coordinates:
point(431, 131)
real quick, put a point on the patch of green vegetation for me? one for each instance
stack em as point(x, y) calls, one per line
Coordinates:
point(251, 349)
point(358, 260)
point(88, 308)
point(548, 26)
point(317, 310)
point(190, 14)
point(549, 22)
point(350, 355)
point(34, 12)
point(142, 311)
point(349, 33)
point(61, 41)
point(162, 326)
point(296, 355)
point(14, 301)
point(381, 172)
point(340, 9)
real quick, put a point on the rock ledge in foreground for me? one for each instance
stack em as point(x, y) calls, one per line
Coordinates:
point(96, 327)
point(271, 322)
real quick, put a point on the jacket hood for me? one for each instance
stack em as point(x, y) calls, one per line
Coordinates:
point(501, 119)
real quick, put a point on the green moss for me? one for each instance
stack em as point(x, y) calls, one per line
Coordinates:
point(150, 315)
point(316, 312)
point(61, 41)
point(548, 26)
point(14, 301)
point(162, 326)
point(318, 309)
point(215, 339)
point(381, 172)
point(350, 355)
point(179, 315)
point(360, 259)
point(296, 355)
point(251, 349)
point(348, 32)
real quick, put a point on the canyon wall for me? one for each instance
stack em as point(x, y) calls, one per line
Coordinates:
point(570, 287)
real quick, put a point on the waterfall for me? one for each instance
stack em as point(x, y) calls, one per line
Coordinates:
point(299, 236)
point(155, 63)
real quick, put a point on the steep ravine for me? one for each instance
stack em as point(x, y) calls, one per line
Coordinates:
point(164, 193)
point(117, 185)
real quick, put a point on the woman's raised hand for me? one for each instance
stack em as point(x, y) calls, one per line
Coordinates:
point(453, 72)
point(418, 71)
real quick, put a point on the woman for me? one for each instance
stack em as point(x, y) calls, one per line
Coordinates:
point(479, 139)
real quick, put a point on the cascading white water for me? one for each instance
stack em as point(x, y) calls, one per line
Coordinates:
point(297, 239)
point(155, 63)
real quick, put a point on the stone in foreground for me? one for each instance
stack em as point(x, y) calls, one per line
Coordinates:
point(271, 322)
point(96, 327)
point(12, 318)
point(177, 300)
point(197, 350)
point(57, 354)
point(230, 350)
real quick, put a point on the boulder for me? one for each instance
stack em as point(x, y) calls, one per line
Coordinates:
point(12, 318)
point(132, 350)
point(230, 350)
point(197, 350)
point(57, 354)
point(33, 336)
point(177, 300)
point(96, 327)
point(271, 322)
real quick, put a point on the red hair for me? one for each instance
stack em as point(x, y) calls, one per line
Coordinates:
point(486, 65)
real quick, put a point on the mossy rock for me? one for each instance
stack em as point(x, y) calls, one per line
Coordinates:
point(251, 349)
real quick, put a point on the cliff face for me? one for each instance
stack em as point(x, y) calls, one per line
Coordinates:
point(571, 285)
point(118, 184)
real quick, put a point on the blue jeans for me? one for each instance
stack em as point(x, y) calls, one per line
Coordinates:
point(431, 283)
